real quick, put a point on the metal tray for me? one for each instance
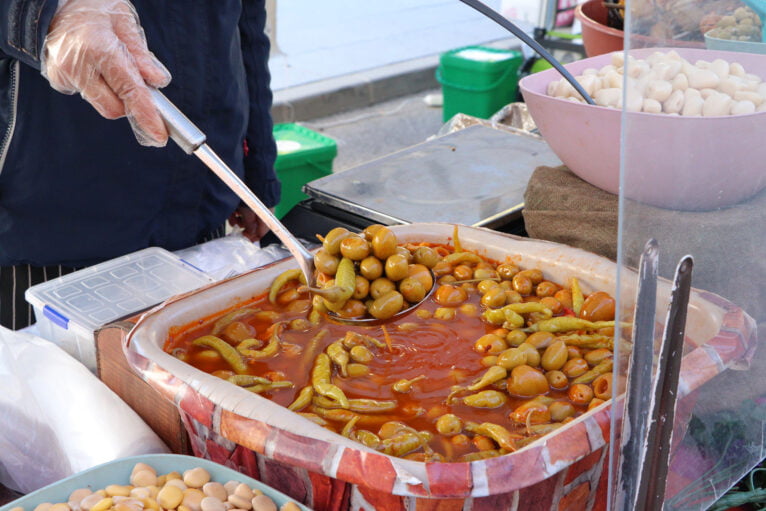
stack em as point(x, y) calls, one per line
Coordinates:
point(476, 176)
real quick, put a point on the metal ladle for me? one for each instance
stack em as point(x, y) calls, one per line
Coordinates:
point(193, 141)
point(515, 30)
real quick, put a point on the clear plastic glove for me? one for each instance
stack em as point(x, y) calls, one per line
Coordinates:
point(97, 48)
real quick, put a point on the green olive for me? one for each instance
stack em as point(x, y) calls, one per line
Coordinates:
point(333, 238)
point(526, 381)
point(541, 340)
point(557, 380)
point(422, 274)
point(507, 271)
point(325, 262)
point(381, 286)
point(515, 337)
point(426, 256)
point(362, 288)
point(412, 290)
point(406, 253)
point(533, 356)
point(490, 344)
point(352, 309)
point(449, 424)
point(396, 267)
point(598, 306)
point(546, 288)
point(575, 367)
point(450, 296)
point(511, 358)
point(371, 268)
point(593, 357)
point(462, 272)
point(384, 243)
point(361, 354)
point(493, 298)
point(370, 230)
point(355, 248)
point(447, 279)
point(535, 275)
point(357, 370)
point(486, 285)
point(554, 357)
point(561, 410)
point(512, 296)
point(522, 284)
point(442, 268)
point(484, 273)
point(387, 305)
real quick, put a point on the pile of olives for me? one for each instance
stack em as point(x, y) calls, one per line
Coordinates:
point(389, 277)
point(743, 25)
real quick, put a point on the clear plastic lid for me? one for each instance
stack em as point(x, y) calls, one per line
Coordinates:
point(99, 294)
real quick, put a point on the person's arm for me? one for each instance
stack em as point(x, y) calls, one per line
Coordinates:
point(262, 151)
point(23, 27)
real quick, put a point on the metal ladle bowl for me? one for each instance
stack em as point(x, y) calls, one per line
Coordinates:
point(193, 141)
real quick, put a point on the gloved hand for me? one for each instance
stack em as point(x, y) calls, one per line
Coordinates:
point(97, 48)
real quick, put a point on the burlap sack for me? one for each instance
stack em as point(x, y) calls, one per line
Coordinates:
point(561, 207)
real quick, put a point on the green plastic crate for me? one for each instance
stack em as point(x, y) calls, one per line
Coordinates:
point(477, 80)
point(303, 155)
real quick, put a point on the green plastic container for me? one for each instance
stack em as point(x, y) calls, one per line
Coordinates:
point(303, 155)
point(477, 80)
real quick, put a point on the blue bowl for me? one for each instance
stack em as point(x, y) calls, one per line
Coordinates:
point(118, 472)
point(714, 43)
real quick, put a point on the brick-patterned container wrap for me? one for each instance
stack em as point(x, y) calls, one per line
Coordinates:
point(564, 471)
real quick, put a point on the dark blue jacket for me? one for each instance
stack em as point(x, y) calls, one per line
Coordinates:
point(76, 189)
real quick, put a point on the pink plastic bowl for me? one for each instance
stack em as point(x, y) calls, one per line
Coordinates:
point(687, 163)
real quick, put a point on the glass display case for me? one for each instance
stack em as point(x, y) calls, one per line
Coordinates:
point(690, 95)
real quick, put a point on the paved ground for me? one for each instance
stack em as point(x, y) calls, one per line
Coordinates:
point(368, 133)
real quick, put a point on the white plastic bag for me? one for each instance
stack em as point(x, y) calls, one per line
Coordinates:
point(57, 418)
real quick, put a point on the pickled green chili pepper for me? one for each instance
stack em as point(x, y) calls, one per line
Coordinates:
point(229, 318)
point(349, 427)
point(247, 379)
point(462, 257)
point(356, 339)
point(227, 351)
point(341, 415)
point(485, 399)
point(577, 296)
point(271, 349)
point(357, 404)
point(543, 429)
point(335, 297)
point(404, 386)
point(268, 387)
point(602, 367)
point(366, 437)
point(303, 399)
point(499, 434)
point(320, 380)
point(493, 374)
point(456, 240)
point(316, 419)
point(528, 307)
point(339, 356)
point(587, 341)
point(282, 279)
point(311, 348)
point(454, 391)
point(482, 455)
point(568, 323)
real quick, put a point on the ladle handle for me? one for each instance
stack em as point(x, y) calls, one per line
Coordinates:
point(192, 140)
point(515, 30)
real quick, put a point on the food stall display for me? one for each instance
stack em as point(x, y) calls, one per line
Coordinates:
point(292, 453)
point(495, 358)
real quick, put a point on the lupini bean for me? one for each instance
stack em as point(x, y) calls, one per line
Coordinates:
point(170, 496)
point(263, 503)
point(212, 504)
point(214, 489)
